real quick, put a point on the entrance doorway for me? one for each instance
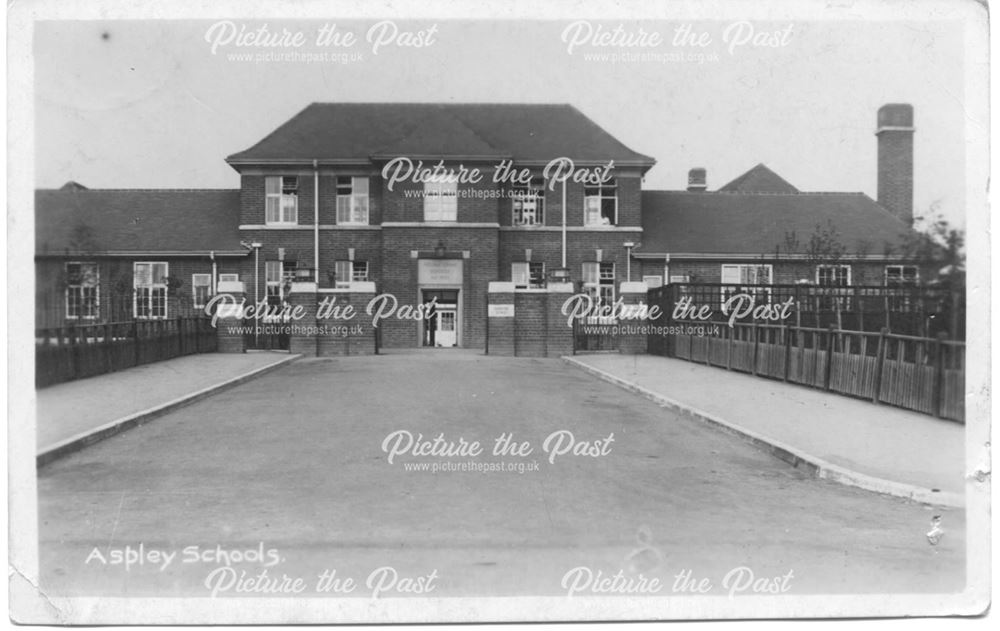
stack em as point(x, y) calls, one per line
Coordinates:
point(440, 329)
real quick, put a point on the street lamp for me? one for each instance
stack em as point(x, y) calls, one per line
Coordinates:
point(628, 260)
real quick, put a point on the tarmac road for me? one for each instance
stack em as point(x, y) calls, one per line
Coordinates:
point(291, 468)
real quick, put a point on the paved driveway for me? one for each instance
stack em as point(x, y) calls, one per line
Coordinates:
point(292, 465)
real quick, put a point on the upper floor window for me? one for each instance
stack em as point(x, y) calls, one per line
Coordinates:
point(201, 289)
point(83, 286)
point(149, 280)
point(600, 204)
point(528, 275)
point(352, 200)
point(833, 275)
point(350, 271)
point(529, 203)
point(440, 201)
point(901, 275)
point(281, 201)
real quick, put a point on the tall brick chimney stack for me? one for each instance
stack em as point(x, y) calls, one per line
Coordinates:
point(895, 159)
point(697, 180)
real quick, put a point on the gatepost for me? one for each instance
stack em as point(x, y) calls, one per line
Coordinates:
point(302, 337)
point(500, 311)
point(229, 324)
point(346, 336)
point(633, 340)
point(560, 333)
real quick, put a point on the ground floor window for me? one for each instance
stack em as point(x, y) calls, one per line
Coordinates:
point(350, 271)
point(599, 281)
point(150, 284)
point(746, 279)
point(901, 275)
point(278, 279)
point(528, 275)
point(201, 289)
point(833, 275)
point(83, 286)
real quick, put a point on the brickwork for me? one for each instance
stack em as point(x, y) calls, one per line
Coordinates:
point(501, 329)
point(303, 295)
point(537, 329)
point(230, 339)
point(631, 342)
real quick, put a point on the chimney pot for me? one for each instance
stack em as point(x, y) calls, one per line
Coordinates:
point(697, 180)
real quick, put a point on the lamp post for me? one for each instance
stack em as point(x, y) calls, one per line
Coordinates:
point(628, 260)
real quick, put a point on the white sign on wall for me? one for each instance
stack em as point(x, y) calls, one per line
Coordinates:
point(501, 311)
point(439, 271)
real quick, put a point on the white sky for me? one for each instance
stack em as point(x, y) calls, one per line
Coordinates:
point(150, 106)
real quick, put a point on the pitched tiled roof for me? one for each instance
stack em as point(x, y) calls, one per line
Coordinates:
point(679, 222)
point(356, 131)
point(79, 220)
point(759, 179)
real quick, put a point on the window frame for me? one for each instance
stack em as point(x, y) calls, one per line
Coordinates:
point(834, 266)
point(743, 286)
point(149, 308)
point(353, 199)
point(194, 290)
point(439, 195)
point(902, 275)
point(531, 281)
point(601, 187)
point(281, 196)
point(521, 193)
point(79, 287)
point(603, 281)
point(356, 276)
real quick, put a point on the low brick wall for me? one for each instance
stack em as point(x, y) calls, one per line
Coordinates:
point(528, 322)
point(325, 330)
point(230, 338)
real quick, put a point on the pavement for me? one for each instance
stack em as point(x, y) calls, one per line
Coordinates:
point(875, 447)
point(294, 464)
point(75, 414)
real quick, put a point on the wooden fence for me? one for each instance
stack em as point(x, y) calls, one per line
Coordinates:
point(922, 374)
point(909, 310)
point(75, 352)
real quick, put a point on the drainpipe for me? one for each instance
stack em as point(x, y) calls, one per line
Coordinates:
point(564, 223)
point(316, 221)
point(256, 290)
point(215, 270)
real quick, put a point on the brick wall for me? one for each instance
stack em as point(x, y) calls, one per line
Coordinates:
point(537, 328)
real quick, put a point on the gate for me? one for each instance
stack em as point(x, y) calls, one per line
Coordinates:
point(595, 335)
point(267, 336)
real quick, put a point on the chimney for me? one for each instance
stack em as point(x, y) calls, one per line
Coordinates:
point(697, 178)
point(895, 160)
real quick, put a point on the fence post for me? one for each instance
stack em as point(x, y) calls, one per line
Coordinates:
point(938, 396)
point(108, 348)
point(829, 358)
point(879, 364)
point(73, 342)
point(786, 332)
point(753, 365)
point(135, 341)
point(729, 348)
